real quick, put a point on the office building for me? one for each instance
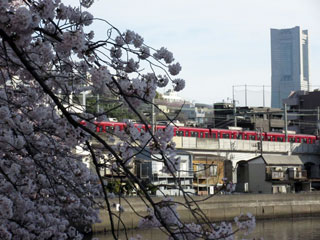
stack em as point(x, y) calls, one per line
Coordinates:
point(289, 63)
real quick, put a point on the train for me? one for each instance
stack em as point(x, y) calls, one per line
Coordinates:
point(215, 133)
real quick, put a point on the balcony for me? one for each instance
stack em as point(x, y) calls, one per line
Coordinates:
point(200, 174)
point(204, 174)
point(297, 174)
point(276, 175)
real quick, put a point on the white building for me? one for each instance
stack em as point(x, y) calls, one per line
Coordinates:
point(172, 96)
point(289, 63)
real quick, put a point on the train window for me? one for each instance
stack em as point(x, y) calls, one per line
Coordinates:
point(187, 134)
point(225, 135)
point(269, 138)
point(201, 135)
point(239, 136)
point(206, 135)
point(109, 129)
point(194, 134)
point(179, 133)
point(214, 135)
point(252, 137)
point(101, 129)
point(304, 140)
point(291, 139)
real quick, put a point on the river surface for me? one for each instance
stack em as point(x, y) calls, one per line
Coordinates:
point(276, 229)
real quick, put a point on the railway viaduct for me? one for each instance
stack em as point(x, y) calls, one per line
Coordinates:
point(244, 150)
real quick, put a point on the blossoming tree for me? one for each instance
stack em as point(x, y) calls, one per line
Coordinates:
point(48, 54)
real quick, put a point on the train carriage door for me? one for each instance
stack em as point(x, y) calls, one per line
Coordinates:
point(201, 134)
point(214, 135)
point(196, 134)
point(245, 136)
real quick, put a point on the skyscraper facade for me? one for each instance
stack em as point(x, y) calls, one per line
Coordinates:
point(289, 63)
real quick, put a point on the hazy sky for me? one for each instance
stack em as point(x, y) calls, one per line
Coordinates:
point(219, 43)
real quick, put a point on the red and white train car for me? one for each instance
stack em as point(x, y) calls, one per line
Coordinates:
point(216, 133)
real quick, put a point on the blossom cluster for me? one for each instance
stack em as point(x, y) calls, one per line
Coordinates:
point(48, 56)
point(165, 146)
point(53, 32)
point(44, 187)
point(166, 211)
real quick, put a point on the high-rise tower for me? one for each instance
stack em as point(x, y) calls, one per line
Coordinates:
point(289, 63)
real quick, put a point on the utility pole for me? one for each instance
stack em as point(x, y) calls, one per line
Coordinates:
point(235, 112)
point(263, 95)
point(98, 103)
point(245, 91)
point(213, 117)
point(153, 120)
point(232, 92)
point(285, 122)
point(84, 103)
point(261, 150)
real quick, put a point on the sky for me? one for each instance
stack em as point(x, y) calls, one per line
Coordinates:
point(219, 43)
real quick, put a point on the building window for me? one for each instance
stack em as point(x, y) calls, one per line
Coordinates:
point(200, 169)
point(213, 169)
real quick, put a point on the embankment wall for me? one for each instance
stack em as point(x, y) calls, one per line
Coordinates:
point(223, 207)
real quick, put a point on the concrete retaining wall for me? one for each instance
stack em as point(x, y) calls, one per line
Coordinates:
point(225, 207)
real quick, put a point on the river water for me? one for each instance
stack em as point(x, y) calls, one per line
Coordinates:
point(276, 229)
